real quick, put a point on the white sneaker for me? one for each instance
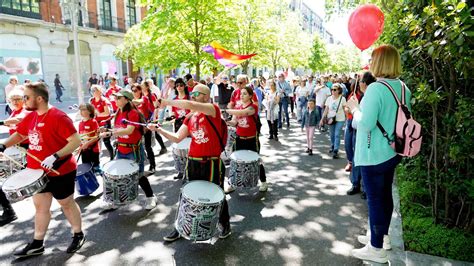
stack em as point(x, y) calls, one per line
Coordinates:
point(366, 238)
point(150, 203)
point(108, 206)
point(370, 253)
point(229, 189)
point(263, 187)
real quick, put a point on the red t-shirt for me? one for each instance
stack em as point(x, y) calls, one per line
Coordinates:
point(144, 106)
point(359, 98)
point(246, 126)
point(100, 107)
point(91, 126)
point(236, 98)
point(111, 98)
point(151, 105)
point(48, 134)
point(22, 113)
point(205, 141)
point(178, 112)
point(133, 138)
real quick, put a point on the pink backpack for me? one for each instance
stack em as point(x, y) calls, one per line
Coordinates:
point(407, 141)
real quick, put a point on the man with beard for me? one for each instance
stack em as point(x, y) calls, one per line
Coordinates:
point(52, 138)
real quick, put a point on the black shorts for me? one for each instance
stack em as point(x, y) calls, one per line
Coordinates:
point(61, 186)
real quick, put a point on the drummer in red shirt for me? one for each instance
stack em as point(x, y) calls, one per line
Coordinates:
point(52, 138)
point(235, 100)
point(89, 132)
point(204, 161)
point(113, 88)
point(129, 144)
point(182, 93)
point(103, 114)
point(18, 113)
point(245, 119)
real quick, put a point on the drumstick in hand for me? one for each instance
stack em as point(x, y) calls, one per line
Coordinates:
point(125, 121)
point(13, 160)
point(36, 159)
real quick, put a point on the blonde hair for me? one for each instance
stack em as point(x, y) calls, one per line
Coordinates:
point(386, 62)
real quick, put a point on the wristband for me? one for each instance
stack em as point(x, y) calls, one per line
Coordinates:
point(2, 122)
point(56, 156)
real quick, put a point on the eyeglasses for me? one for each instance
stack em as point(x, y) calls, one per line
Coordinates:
point(179, 85)
point(196, 93)
point(16, 99)
point(26, 97)
point(135, 90)
point(334, 89)
point(239, 82)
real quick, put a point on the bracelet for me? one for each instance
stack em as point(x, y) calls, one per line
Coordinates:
point(56, 156)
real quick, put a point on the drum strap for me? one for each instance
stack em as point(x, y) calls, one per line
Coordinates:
point(203, 158)
point(135, 147)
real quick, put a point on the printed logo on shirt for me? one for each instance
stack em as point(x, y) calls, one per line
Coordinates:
point(181, 112)
point(199, 136)
point(40, 124)
point(87, 127)
point(34, 138)
point(243, 122)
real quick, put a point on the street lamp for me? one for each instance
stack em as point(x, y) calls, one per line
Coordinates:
point(73, 7)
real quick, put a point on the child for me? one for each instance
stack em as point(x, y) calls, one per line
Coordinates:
point(310, 121)
point(88, 129)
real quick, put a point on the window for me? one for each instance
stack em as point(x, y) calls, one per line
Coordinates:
point(106, 12)
point(131, 13)
point(23, 8)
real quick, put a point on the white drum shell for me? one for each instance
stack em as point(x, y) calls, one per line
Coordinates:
point(24, 183)
point(120, 181)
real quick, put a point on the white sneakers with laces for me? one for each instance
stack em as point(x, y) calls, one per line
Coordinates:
point(263, 187)
point(370, 253)
point(150, 203)
point(365, 239)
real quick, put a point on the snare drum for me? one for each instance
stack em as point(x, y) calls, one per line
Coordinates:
point(199, 210)
point(24, 183)
point(7, 167)
point(231, 136)
point(180, 154)
point(244, 168)
point(86, 182)
point(120, 181)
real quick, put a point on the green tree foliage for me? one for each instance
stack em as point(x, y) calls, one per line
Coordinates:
point(319, 60)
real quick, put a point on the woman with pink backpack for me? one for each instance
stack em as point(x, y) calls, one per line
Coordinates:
point(378, 114)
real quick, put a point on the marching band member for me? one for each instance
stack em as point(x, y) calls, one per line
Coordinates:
point(89, 130)
point(18, 113)
point(52, 138)
point(182, 93)
point(245, 120)
point(103, 109)
point(129, 145)
point(204, 161)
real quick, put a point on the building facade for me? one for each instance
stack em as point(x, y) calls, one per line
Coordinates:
point(36, 41)
point(312, 22)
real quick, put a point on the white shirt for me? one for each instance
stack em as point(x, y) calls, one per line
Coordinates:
point(321, 96)
point(214, 91)
point(333, 104)
point(302, 91)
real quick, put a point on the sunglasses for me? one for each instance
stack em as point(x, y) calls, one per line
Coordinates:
point(239, 82)
point(196, 93)
point(334, 89)
point(179, 85)
point(135, 90)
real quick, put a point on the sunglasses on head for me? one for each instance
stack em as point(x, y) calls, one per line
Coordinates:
point(196, 93)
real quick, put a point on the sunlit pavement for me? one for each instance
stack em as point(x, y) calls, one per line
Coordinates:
point(305, 218)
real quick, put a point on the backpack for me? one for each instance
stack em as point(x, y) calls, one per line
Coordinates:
point(221, 135)
point(407, 139)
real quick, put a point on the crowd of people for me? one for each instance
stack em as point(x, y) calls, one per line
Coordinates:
point(328, 102)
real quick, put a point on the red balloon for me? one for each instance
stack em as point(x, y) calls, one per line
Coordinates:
point(365, 25)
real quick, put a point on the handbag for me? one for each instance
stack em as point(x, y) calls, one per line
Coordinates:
point(332, 120)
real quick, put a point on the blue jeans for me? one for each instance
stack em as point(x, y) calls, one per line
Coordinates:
point(349, 140)
point(378, 181)
point(284, 108)
point(335, 133)
point(131, 156)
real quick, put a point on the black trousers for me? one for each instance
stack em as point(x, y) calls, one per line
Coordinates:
point(89, 156)
point(212, 171)
point(273, 126)
point(160, 140)
point(149, 149)
point(252, 144)
point(4, 201)
point(107, 143)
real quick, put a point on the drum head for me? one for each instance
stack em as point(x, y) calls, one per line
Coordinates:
point(203, 191)
point(83, 168)
point(245, 156)
point(22, 178)
point(120, 167)
point(183, 145)
point(13, 152)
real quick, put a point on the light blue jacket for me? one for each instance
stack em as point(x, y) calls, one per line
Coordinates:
point(377, 104)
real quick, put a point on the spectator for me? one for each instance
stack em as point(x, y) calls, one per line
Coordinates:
point(334, 116)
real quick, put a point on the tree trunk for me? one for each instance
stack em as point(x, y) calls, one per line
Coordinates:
point(434, 147)
point(245, 66)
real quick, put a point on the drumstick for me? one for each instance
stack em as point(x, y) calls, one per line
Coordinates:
point(13, 160)
point(36, 159)
point(125, 121)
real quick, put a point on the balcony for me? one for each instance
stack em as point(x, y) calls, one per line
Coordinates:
point(19, 13)
point(113, 24)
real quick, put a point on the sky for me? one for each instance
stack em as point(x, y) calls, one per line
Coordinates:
point(337, 25)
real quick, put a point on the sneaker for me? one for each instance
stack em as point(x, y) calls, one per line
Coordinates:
point(263, 187)
point(173, 236)
point(229, 189)
point(151, 169)
point(370, 253)
point(363, 195)
point(150, 203)
point(163, 151)
point(335, 155)
point(29, 250)
point(348, 167)
point(179, 176)
point(365, 239)
point(353, 191)
point(276, 138)
point(108, 206)
point(310, 152)
point(307, 150)
point(226, 232)
point(76, 244)
point(8, 216)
